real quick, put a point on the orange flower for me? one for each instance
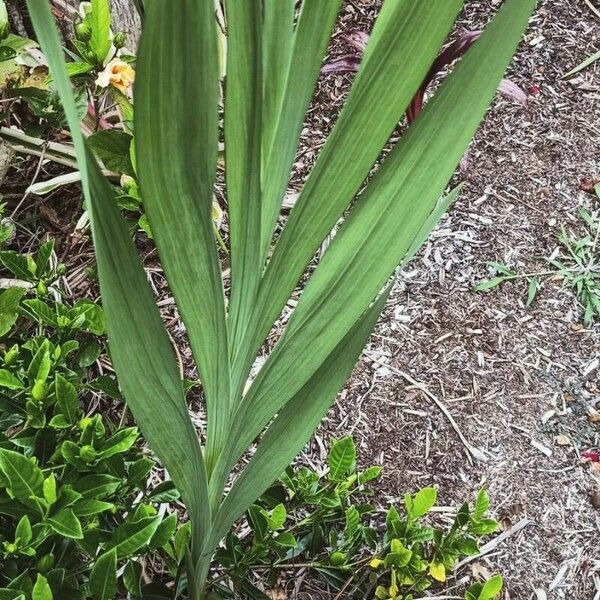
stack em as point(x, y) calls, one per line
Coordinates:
point(119, 74)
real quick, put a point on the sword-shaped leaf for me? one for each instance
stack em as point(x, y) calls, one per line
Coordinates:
point(139, 345)
point(176, 128)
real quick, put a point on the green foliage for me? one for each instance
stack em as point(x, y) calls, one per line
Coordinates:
point(74, 491)
point(576, 262)
point(579, 263)
point(176, 124)
point(327, 524)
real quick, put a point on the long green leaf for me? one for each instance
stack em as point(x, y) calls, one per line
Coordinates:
point(103, 578)
point(590, 60)
point(405, 40)
point(139, 345)
point(277, 47)
point(381, 227)
point(295, 424)
point(243, 149)
point(283, 126)
point(100, 28)
point(176, 127)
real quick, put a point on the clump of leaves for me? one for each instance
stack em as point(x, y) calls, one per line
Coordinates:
point(576, 261)
point(325, 522)
point(579, 264)
point(73, 485)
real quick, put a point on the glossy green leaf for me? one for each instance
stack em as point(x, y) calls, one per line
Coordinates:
point(119, 442)
point(66, 397)
point(10, 381)
point(99, 21)
point(9, 308)
point(97, 486)
point(41, 589)
point(131, 537)
point(103, 578)
point(25, 478)
point(342, 458)
point(164, 532)
point(65, 523)
point(423, 501)
point(112, 147)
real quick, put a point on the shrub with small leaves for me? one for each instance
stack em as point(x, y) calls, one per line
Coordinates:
point(325, 522)
point(75, 492)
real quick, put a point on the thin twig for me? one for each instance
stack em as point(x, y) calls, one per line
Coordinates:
point(593, 8)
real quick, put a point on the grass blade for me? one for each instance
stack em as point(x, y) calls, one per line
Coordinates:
point(583, 65)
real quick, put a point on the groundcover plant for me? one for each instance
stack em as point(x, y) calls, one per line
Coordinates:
point(274, 53)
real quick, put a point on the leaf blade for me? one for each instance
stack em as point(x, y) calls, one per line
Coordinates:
point(178, 193)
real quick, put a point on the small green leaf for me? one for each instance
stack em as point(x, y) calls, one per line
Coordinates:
point(286, 539)
point(276, 518)
point(139, 471)
point(66, 397)
point(482, 503)
point(65, 523)
point(99, 21)
point(532, 290)
point(119, 442)
point(8, 380)
point(492, 588)
point(182, 538)
point(88, 508)
point(369, 474)
point(352, 523)
point(487, 285)
point(25, 478)
point(9, 308)
point(103, 578)
point(130, 537)
point(164, 492)
point(49, 489)
point(164, 532)
point(132, 578)
point(23, 533)
point(41, 589)
point(16, 263)
point(342, 458)
point(423, 502)
point(97, 486)
point(112, 148)
point(467, 546)
point(40, 365)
